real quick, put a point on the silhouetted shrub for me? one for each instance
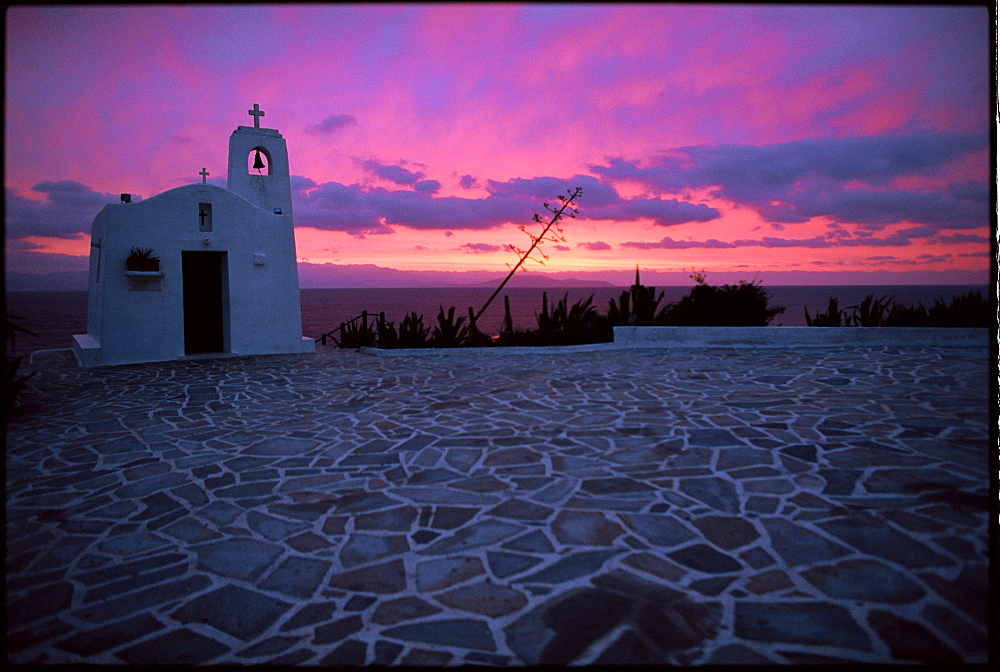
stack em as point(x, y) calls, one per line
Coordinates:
point(907, 316)
point(637, 307)
point(449, 332)
point(965, 310)
point(742, 305)
point(412, 332)
point(475, 338)
point(575, 325)
point(833, 317)
point(871, 312)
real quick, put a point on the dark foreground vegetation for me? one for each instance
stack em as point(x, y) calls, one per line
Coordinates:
point(14, 384)
point(558, 323)
point(965, 310)
point(745, 304)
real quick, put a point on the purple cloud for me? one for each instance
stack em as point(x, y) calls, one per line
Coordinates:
point(794, 181)
point(664, 212)
point(359, 211)
point(594, 246)
point(546, 189)
point(428, 186)
point(30, 261)
point(961, 238)
point(934, 258)
point(22, 245)
point(392, 173)
point(331, 124)
point(468, 182)
point(479, 248)
point(817, 242)
point(67, 212)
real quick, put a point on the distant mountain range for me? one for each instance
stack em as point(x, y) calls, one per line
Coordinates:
point(347, 276)
point(540, 280)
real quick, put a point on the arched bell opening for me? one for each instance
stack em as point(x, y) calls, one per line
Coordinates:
point(258, 162)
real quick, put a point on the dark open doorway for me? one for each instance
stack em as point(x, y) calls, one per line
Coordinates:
point(204, 301)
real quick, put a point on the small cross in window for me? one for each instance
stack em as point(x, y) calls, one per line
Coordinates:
point(257, 114)
point(204, 176)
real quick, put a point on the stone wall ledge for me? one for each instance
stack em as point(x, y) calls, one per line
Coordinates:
point(738, 337)
point(799, 337)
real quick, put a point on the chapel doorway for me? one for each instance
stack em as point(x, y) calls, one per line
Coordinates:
point(205, 301)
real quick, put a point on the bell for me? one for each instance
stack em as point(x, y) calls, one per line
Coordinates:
point(258, 163)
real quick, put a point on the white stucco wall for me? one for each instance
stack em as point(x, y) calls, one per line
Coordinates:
point(129, 326)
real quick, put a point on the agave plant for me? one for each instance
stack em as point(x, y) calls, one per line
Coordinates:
point(871, 312)
point(356, 334)
point(833, 317)
point(142, 259)
point(449, 332)
point(571, 325)
point(639, 307)
point(386, 336)
point(412, 332)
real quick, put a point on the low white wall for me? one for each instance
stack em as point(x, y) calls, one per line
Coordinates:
point(479, 352)
point(738, 337)
point(797, 337)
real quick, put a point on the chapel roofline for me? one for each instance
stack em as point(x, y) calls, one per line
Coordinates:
point(200, 186)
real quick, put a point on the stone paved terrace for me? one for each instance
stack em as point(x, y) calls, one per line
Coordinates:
point(723, 506)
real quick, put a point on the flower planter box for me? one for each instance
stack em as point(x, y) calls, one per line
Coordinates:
point(143, 265)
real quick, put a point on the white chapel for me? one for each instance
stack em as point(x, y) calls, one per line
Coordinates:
point(199, 269)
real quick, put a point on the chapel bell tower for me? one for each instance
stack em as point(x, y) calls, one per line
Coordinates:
point(258, 166)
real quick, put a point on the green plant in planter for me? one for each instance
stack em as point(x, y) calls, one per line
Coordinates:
point(142, 259)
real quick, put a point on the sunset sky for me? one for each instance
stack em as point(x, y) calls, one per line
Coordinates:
point(765, 140)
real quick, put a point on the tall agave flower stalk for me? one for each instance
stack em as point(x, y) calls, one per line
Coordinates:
point(567, 209)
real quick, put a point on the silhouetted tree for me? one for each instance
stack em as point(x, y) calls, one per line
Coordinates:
point(742, 305)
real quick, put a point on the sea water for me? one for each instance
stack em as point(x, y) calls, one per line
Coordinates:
point(56, 316)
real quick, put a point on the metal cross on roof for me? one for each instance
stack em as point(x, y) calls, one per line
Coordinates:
point(204, 176)
point(257, 114)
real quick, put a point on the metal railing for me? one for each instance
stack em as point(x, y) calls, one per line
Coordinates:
point(377, 320)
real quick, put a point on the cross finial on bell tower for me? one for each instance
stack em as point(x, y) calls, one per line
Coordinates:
point(256, 113)
point(204, 176)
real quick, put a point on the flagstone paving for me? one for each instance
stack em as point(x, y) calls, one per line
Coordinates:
point(690, 507)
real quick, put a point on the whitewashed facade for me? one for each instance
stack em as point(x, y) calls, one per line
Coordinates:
point(227, 279)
